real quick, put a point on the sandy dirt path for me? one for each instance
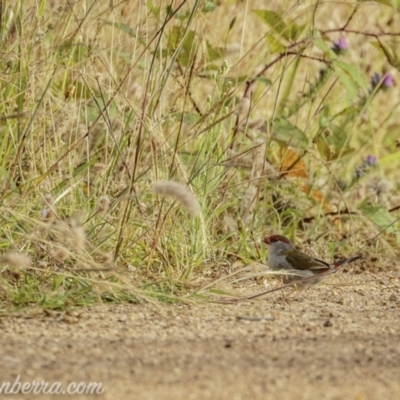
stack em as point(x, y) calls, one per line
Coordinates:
point(339, 340)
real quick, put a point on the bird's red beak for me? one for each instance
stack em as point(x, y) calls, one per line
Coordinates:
point(267, 240)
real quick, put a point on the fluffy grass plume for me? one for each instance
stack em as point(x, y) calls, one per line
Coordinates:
point(103, 204)
point(15, 260)
point(180, 193)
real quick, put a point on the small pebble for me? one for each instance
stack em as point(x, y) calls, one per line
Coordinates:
point(327, 323)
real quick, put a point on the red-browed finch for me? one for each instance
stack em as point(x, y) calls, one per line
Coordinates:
point(283, 256)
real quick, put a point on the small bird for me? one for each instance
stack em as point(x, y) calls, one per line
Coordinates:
point(283, 256)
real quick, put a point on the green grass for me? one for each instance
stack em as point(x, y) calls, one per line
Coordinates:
point(246, 103)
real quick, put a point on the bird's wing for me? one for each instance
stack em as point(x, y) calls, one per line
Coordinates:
point(305, 262)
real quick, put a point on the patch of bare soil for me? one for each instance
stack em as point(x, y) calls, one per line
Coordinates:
point(339, 340)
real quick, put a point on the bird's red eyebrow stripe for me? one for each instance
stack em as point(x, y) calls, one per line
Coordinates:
point(276, 238)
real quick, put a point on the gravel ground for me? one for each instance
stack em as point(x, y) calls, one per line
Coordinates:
point(339, 340)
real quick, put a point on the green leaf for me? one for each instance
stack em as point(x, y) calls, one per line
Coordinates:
point(183, 16)
point(209, 6)
point(221, 292)
point(289, 134)
point(320, 43)
point(333, 142)
point(294, 31)
point(323, 121)
point(352, 72)
point(350, 86)
point(389, 52)
point(264, 80)
point(275, 46)
point(290, 31)
point(154, 9)
point(272, 19)
point(189, 46)
point(350, 78)
point(210, 70)
point(392, 158)
point(214, 53)
point(188, 117)
point(380, 216)
point(350, 111)
point(185, 45)
point(173, 38)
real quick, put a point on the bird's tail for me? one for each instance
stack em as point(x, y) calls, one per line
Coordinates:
point(341, 263)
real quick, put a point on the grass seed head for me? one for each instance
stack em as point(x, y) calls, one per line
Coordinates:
point(99, 168)
point(103, 204)
point(16, 260)
point(180, 193)
point(60, 254)
point(71, 234)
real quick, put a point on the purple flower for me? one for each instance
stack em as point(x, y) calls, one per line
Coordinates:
point(340, 45)
point(371, 160)
point(385, 83)
point(388, 81)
